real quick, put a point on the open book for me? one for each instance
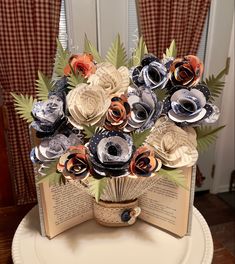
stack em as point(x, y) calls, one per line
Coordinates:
point(163, 205)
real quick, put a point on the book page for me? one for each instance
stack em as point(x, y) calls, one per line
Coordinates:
point(63, 207)
point(167, 206)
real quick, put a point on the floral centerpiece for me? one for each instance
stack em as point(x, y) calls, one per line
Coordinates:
point(113, 126)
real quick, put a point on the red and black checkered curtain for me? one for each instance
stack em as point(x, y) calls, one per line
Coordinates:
point(28, 31)
point(161, 21)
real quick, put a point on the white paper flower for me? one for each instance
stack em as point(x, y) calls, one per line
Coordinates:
point(176, 147)
point(87, 104)
point(113, 81)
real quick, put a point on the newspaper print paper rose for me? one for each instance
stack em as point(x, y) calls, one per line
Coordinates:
point(53, 147)
point(87, 104)
point(186, 71)
point(110, 153)
point(144, 162)
point(82, 63)
point(74, 163)
point(117, 114)
point(188, 106)
point(151, 73)
point(113, 81)
point(145, 109)
point(176, 147)
point(48, 116)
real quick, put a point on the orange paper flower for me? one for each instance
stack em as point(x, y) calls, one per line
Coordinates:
point(186, 71)
point(118, 113)
point(144, 162)
point(82, 63)
point(74, 163)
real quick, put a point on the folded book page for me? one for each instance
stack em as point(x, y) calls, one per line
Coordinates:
point(169, 207)
point(63, 206)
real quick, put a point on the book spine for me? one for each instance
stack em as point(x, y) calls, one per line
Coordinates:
point(192, 191)
point(40, 208)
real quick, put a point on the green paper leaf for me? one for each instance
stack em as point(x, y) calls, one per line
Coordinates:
point(23, 106)
point(171, 51)
point(138, 53)
point(74, 79)
point(139, 137)
point(52, 175)
point(43, 86)
point(215, 84)
point(61, 60)
point(174, 175)
point(161, 94)
point(89, 48)
point(97, 187)
point(89, 131)
point(117, 54)
point(206, 135)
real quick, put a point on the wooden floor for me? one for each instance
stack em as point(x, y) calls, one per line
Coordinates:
point(219, 216)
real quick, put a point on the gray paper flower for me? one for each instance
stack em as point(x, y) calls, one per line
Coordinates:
point(151, 73)
point(48, 115)
point(53, 147)
point(145, 109)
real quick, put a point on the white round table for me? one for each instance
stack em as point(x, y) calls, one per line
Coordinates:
point(91, 243)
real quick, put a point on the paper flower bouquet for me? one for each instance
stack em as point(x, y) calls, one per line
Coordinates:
point(113, 126)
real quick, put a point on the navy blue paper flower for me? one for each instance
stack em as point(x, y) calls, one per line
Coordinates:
point(110, 153)
point(188, 106)
point(145, 109)
point(151, 73)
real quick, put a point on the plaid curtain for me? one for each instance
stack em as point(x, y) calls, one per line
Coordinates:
point(182, 20)
point(28, 31)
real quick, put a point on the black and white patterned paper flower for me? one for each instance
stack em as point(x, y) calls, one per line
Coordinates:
point(52, 148)
point(145, 109)
point(48, 116)
point(110, 153)
point(151, 73)
point(189, 106)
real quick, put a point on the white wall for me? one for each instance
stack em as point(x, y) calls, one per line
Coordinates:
point(225, 144)
point(219, 34)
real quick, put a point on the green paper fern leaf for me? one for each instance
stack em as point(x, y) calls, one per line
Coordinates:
point(23, 106)
point(174, 175)
point(51, 175)
point(138, 53)
point(89, 131)
point(161, 94)
point(206, 135)
point(74, 79)
point(97, 187)
point(117, 54)
point(215, 84)
point(139, 137)
point(43, 86)
point(89, 48)
point(61, 60)
point(171, 51)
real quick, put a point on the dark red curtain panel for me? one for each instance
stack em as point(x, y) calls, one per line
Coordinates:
point(28, 31)
point(161, 21)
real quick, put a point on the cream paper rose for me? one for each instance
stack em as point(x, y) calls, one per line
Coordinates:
point(87, 104)
point(176, 147)
point(113, 81)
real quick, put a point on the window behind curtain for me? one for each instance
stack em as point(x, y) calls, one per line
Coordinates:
point(63, 37)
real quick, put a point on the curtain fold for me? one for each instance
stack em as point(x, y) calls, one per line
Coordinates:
point(182, 20)
point(28, 31)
